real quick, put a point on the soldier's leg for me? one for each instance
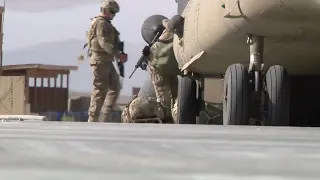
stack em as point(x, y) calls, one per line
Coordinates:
point(100, 86)
point(125, 116)
point(113, 91)
point(174, 95)
point(162, 93)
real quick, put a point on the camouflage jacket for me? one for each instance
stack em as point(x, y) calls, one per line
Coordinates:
point(103, 37)
point(162, 57)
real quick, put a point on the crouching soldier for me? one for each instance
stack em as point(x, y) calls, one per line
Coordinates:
point(143, 110)
point(164, 70)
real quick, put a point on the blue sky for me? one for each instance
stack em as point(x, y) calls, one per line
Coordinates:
point(26, 26)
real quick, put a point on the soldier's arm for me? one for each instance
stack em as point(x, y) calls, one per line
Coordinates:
point(105, 39)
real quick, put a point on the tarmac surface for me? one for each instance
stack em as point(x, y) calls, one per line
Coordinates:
point(98, 151)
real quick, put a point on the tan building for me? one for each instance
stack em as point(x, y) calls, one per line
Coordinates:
point(34, 88)
point(135, 91)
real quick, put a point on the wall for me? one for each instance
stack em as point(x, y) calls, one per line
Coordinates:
point(135, 91)
point(13, 95)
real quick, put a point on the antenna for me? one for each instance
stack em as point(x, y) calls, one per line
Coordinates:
point(1, 55)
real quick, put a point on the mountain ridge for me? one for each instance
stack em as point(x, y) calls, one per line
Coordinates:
point(66, 53)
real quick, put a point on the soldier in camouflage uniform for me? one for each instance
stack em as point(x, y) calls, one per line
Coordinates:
point(163, 68)
point(103, 49)
point(140, 109)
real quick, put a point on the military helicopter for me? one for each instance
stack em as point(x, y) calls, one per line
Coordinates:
point(254, 46)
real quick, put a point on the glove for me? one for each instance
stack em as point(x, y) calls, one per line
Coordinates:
point(146, 51)
point(123, 58)
point(144, 66)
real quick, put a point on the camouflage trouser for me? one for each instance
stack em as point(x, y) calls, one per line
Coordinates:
point(166, 89)
point(105, 83)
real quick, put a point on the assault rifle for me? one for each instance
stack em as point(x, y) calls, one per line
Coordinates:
point(121, 65)
point(143, 61)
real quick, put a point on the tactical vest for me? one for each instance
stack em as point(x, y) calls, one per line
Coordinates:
point(91, 33)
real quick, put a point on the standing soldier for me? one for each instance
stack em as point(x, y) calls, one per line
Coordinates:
point(103, 43)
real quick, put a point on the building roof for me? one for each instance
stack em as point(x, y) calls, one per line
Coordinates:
point(39, 66)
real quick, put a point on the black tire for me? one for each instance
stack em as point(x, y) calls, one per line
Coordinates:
point(236, 91)
point(187, 101)
point(277, 112)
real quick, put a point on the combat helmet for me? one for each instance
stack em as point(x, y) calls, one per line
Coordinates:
point(110, 5)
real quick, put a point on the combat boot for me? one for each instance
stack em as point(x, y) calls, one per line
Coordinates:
point(107, 115)
point(93, 118)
